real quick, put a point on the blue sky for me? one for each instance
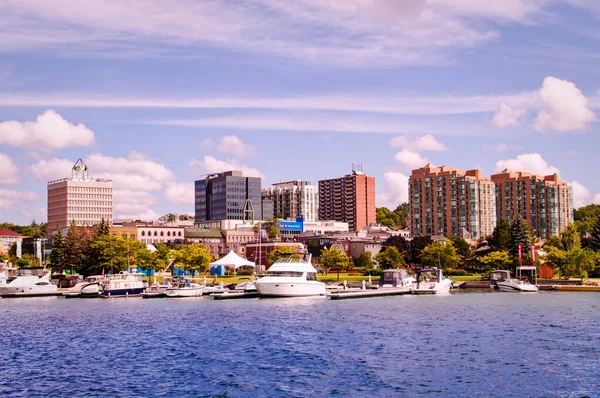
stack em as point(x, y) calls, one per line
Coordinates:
point(154, 94)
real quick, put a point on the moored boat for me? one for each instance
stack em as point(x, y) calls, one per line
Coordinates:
point(27, 283)
point(431, 281)
point(290, 277)
point(185, 289)
point(123, 284)
point(516, 285)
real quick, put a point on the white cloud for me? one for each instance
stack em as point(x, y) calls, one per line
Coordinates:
point(508, 147)
point(212, 165)
point(8, 198)
point(142, 214)
point(51, 169)
point(410, 159)
point(527, 162)
point(566, 108)
point(234, 146)
point(180, 193)
point(39, 215)
point(135, 164)
point(9, 173)
point(134, 204)
point(207, 144)
point(352, 32)
point(581, 195)
point(396, 190)
point(596, 198)
point(49, 131)
point(507, 116)
point(423, 143)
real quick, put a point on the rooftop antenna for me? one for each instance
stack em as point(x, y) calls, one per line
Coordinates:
point(79, 170)
point(353, 166)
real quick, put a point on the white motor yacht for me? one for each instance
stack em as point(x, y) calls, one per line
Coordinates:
point(25, 283)
point(290, 277)
point(123, 284)
point(431, 281)
point(185, 289)
point(396, 279)
point(90, 287)
point(516, 285)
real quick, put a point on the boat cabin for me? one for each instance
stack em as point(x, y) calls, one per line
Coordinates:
point(499, 275)
point(429, 275)
point(393, 278)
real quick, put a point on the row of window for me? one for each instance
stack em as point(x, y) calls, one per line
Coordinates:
point(162, 233)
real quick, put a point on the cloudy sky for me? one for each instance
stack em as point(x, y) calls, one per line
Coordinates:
point(155, 93)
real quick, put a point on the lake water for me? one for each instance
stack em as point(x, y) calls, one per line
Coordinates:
point(463, 344)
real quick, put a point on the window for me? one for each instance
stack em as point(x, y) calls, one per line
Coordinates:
point(143, 233)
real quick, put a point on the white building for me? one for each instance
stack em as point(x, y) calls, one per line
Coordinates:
point(7, 238)
point(325, 227)
point(292, 198)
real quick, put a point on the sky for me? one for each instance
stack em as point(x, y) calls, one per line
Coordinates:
point(154, 94)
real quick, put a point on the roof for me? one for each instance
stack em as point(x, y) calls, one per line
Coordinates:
point(291, 265)
point(192, 233)
point(7, 232)
point(233, 260)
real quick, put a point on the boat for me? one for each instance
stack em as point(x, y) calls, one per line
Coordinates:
point(431, 281)
point(245, 287)
point(516, 285)
point(216, 289)
point(123, 284)
point(29, 283)
point(156, 290)
point(498, 276)
point(185, 289)
point(90, 287)
point(290, 277)
point(396, 279)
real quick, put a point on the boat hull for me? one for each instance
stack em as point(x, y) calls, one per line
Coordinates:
point(432, 288)
point(184, 292)
point(289, 289)
point(29, 291)
point(508, 287)
point(133, 292)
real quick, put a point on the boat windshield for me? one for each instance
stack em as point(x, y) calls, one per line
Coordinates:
point(285, 273)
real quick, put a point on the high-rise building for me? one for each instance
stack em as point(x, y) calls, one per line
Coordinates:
point(450, 202)
point(544, 201)
point(82, 199)
point(349, 199)
point(293, 198)
point(227, 196)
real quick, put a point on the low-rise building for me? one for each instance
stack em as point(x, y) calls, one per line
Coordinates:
point(212, 238)
point(7, 238)
point(325, 227)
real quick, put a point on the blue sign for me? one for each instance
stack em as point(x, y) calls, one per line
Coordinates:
point(291, 226)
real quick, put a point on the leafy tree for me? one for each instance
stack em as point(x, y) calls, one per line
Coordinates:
point(553, 241)
point(282, 252)
point(400, 243)
point(500, 236)
point(28, 260)
point(390, 258)
point(558, 258)
point(3, 257)
point(102, 229)
point(75, 248)
point(463, 248)
point(392, 219)
point(364, 260)
point(569, 238)
point(192, 258)
point(585, 217)
point(595, 235)
point(496, 260)
point(580, 262)
point(57, 253)
point(334, 258)
point(417, 244)
point(519, 234)
point(12, 252)
point(440, 254)
point(108, 255)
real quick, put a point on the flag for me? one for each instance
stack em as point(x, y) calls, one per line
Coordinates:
point(533, 252)
point(520, 252)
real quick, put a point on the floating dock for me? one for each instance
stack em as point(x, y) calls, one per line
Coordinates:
point(576, 288)
point(234, 295)
point(343, 295)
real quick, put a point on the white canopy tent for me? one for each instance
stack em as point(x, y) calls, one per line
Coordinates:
point(234, 261)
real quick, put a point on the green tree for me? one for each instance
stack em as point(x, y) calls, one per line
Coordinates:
point(440, 254)
point(570, 238)
point(463, 248)
point(108, 255)
point(390, 258)
point(585, 217)
point(334, 258)
point(28, 260)
point(364, 260)
point(558, 258)
point(102, 229)
point(519, 234)
point(417, 244)
point(553, 241)
point(392, 219)
point(400, 243)
point(192, 258)
point(57, 253)
point(595, 235)
point(500, 236)
point(75, 248)
point(496, 260)
point(282, 252)
point(580, 262)
point(3, 257)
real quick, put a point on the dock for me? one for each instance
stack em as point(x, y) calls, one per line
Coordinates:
point(234, 295)
point(343, 295)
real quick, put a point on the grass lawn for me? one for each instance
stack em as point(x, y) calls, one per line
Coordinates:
point(459, 278)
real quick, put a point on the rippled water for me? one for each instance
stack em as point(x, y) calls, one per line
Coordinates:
point(463, 344)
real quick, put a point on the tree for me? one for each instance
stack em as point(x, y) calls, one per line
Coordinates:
point(500, 236)
point(57, 253)
point(390, 258)
point(392, 219)
point(364, 260)
point(519, 234)
point(334, 258)
point(558, 258)
point(75, 248)
point(400, 243)
point(102, 229)
point(553, 241)
point(595, 235)
point(417, 244)
point(282, 252)
point(569, 238)
point(496, 260)
point(108, 255)
point(440, 254)
point(28, 260)
point(585, 217)
point(192, 258)
point(463, 248)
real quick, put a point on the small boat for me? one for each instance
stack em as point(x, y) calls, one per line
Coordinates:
point(216, 289)
point(123, 284)
point(156, 290)
point(245, 287)
point(396, 279)
point(498, 275)
point(290, 277)
point(76, 290)
point(516, 285)
point(28, 282)
point(93, 286)
point(431, 281)
point(185, 289)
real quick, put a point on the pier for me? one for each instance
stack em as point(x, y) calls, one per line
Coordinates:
point(342, 295)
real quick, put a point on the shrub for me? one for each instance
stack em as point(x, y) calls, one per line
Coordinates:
point(458, 272)
point(373, 272)
point(243, 272)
